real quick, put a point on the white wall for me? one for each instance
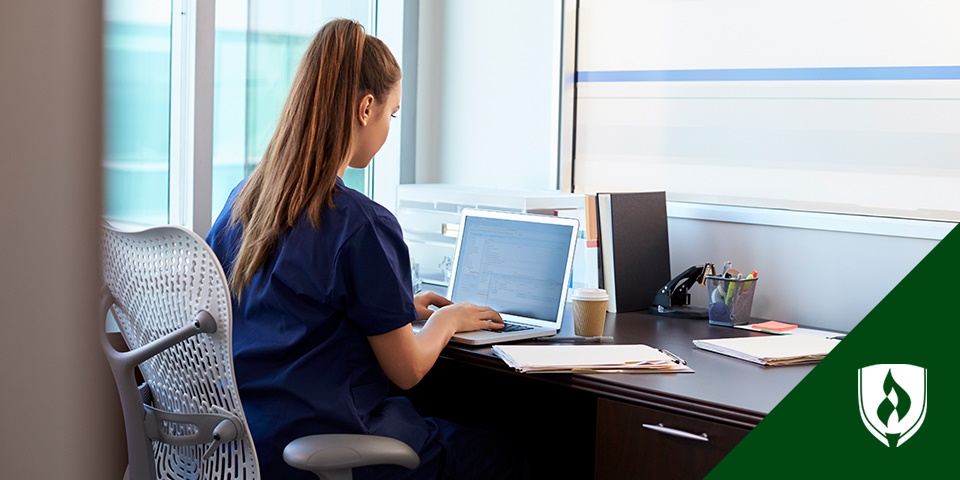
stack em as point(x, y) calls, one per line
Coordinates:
point(488, 100)
point(647, 121)
point(814, 277)
point(58, 407)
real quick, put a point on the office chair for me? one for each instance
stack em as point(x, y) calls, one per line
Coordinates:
point(169, 296)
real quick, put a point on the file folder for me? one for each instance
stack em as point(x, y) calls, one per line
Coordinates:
point(772, 350)
point(636, 358)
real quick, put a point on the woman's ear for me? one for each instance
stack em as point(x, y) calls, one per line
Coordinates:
point(365, 109)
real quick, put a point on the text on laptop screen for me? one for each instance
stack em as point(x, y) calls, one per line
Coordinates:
point(514, 267)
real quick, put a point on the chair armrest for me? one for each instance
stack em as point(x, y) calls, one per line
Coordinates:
point(318, 453)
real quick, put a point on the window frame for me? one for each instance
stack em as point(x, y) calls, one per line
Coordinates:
point(191, 104)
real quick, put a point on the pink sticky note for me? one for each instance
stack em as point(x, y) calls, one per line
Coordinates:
point(774, 326)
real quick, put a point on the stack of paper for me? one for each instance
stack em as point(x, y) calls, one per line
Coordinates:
point(772, 350)
point(590, 359)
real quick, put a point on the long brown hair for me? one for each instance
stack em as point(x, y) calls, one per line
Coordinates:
point(312, 140)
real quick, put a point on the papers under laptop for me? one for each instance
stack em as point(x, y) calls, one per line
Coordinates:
point(519, 265)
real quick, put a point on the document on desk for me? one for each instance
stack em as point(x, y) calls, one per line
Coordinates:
point(772, 350)
point(590, 359)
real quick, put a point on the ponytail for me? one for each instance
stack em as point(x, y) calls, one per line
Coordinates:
point(311, 142)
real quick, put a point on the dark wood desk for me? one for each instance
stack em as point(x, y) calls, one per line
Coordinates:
point(599, 425)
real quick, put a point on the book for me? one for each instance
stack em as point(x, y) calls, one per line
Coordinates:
point(590, 359)
point(590, 220)
point(634, 248)
point(772, 350)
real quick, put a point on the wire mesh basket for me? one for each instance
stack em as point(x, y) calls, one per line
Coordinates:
point(731, 300)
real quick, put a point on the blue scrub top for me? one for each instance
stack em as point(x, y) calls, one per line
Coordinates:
point(301, 356)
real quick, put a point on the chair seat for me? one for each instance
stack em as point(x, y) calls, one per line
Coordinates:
point(340, 451)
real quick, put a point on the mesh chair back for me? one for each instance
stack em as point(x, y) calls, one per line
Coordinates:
point(160, 279)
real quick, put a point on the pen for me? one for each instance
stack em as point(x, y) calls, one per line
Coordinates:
point(576, 339)
point(674, 358)
point(726, 266)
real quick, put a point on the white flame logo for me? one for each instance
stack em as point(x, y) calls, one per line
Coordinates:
point(893, 401)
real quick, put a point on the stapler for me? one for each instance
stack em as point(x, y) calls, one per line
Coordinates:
point(674, 298)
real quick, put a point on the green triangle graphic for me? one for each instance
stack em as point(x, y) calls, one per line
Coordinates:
point(817, 432)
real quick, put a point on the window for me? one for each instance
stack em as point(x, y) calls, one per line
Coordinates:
point(149, 86)
point(137, 79)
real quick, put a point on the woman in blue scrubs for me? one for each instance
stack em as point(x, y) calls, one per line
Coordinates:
point(320, 277)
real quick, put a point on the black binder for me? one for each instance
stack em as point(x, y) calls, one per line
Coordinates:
point(634, 248)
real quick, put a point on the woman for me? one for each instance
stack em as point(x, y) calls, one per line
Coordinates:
point(320, 277)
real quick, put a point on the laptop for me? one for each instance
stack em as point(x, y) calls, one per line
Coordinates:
point(518, 264)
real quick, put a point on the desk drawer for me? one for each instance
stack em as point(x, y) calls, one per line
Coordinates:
point(637, 442)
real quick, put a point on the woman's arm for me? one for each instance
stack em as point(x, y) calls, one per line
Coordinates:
point(426, 299)
point(406, 357)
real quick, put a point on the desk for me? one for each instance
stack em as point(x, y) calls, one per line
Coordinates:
point(592, 425)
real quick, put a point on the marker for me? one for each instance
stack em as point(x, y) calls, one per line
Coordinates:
point(576, 339)
point(752, 276)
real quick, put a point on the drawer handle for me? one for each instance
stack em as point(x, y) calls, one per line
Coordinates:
point(677, 433)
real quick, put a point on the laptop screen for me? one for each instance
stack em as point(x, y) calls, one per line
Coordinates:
point(516, 266)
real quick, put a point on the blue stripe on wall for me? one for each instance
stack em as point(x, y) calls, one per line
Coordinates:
point(773, 74)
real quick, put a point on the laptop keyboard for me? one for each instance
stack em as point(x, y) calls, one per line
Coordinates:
point(512, 327)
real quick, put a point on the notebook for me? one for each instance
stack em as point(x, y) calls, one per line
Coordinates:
point(519, 264)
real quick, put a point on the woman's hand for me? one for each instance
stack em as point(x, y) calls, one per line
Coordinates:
point(467, 317)
point(424, 300)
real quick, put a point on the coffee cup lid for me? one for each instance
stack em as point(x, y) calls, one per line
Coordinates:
point(589, 294)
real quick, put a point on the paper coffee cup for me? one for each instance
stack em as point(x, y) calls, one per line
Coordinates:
point(589, 311)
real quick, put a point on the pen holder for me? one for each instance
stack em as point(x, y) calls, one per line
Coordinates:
point(730, 300)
